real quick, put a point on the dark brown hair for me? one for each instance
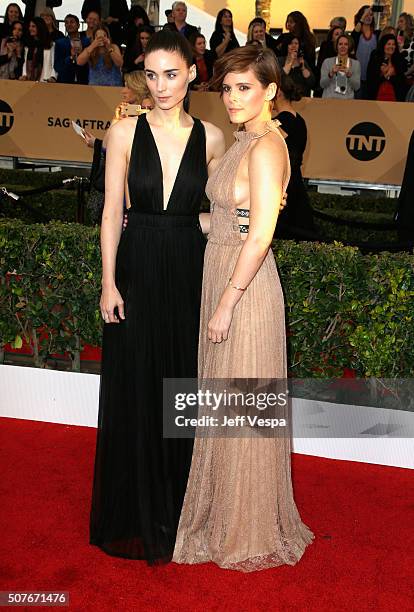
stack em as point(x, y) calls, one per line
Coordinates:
point(94, 56)
point(261, 61)
point(173, 42)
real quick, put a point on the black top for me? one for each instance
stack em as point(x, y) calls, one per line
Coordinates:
point(304, 84)
point(375, 77)
point(188, 30)
point(298, 212)
point(297, 136)
point(308, 54)
point(30, 11)
point(217, 38)
point(145, 179)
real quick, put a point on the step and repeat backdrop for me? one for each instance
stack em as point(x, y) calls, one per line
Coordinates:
point(347, 140)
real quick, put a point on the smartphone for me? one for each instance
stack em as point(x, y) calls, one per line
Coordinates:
point(78, 130)
point(133, 110)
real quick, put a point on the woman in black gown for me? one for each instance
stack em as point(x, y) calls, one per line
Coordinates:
point(298, 212)
point(151, 290)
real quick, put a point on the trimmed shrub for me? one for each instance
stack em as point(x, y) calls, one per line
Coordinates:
point(343, 309)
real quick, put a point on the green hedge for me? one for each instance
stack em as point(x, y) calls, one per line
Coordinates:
point(61, 205)
point(330, 202)
point(343, 309)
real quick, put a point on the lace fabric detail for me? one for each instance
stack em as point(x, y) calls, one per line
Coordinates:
point(239, 510)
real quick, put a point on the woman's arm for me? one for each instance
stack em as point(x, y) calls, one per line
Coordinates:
point(221, 48)
point(215, 149)
point(83, 57)
point(112, 216)
point(307, 74)
point(268, 165)
point(116, 55)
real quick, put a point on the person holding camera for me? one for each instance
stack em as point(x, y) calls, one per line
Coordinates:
point(297, 25)
point(341, 75)
point(67, 50)
point(12, 53)
point(104, 58)
point(293, 63)
point(365, 39)
point(113, 14)
point(386, 72)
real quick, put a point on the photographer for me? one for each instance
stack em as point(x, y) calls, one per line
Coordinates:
point(341, 75)
point(365, 39)
point(11, 53)
point(67, 50)
point(104, 59)
point(294, 64)
point(385, 73)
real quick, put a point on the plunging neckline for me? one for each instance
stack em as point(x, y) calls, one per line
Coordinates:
point(160, 164)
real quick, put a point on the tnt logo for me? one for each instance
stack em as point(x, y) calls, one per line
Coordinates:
point(6, 118)
point(365, 141)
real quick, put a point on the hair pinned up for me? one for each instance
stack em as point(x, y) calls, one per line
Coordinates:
point(261, 61)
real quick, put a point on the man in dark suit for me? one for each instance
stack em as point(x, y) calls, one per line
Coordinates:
point(179, 15)
point(66, 51)
point(35, 7)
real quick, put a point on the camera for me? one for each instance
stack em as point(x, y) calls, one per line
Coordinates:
point(300, 52)
point(11, 39)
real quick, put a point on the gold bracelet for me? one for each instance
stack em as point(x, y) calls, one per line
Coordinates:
point(235, 286)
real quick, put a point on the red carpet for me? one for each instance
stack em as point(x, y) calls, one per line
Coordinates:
point(362, 558)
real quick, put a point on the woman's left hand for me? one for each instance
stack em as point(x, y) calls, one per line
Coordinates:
point(219, 325)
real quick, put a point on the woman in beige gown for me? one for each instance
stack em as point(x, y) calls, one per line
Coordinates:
point(239, 510)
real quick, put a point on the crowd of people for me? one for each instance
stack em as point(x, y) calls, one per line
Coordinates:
point(365, 63)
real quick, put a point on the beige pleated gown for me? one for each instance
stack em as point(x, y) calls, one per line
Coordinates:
point(239, 510)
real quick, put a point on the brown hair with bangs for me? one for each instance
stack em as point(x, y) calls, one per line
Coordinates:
point(261, 61)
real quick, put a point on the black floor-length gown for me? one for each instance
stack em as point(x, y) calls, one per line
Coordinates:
point(140, 478)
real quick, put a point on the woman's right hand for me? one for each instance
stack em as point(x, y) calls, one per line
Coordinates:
point(111, 299)
point(89, 138)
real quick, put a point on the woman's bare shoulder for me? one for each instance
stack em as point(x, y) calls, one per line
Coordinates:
point(212, 131)
point(124, 127)
point(122, 131)
point(272, 143)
